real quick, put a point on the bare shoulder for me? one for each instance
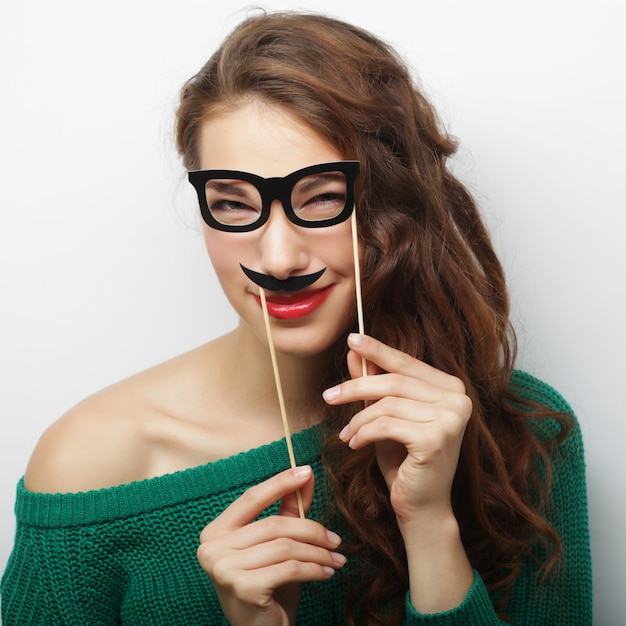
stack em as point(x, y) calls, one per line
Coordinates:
point(91, 446)
point(133, 430)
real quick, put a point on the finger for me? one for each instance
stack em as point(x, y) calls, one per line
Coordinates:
point(257, 583)
point(407, 422)
point(283, 549)
point(276, 527)
point(410, 435)
point(376, 387)
point(236, 547)
point(289, 504)
point(389, 407)
point(256, 499)
point(355, 366)
point(392, 360)
point(452, 415)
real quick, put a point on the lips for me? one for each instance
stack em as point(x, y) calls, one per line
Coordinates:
point(294, 306)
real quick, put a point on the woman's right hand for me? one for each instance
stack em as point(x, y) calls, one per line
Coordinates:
point(257, 567)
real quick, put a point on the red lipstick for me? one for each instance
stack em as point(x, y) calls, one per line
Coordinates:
point(296, 305)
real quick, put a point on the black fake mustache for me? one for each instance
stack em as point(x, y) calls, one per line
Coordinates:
point(270, 283)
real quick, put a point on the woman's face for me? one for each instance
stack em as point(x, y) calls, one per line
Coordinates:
point(270, 142)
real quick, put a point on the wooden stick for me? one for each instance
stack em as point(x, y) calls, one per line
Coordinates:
point(281, 399)
point(357, 283)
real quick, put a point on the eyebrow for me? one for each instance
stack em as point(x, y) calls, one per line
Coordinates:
point(237, 188)
point(319, 179)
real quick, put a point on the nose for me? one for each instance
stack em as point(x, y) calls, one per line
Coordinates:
point(281, 245)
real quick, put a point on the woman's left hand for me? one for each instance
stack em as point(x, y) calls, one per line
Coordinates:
point(415, 415)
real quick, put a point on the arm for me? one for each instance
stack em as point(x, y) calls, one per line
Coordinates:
point(416, 417)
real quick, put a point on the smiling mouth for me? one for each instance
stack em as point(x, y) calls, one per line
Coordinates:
point(297, 305)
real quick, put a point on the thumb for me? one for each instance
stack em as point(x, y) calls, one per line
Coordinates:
point(289, 503)
point(355, 365)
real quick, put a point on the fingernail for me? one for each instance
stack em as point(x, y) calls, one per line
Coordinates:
point(301, 471)
point(356, 340)
point(334, 538)
point(329, 570)
point(338, 558)
point(332, 393)
point(343, 435)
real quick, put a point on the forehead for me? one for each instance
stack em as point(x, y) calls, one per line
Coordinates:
point(262, 139)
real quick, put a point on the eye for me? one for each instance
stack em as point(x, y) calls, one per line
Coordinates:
point(233, 201)
point(228, 206)
point(324, 203)
point(320, 197)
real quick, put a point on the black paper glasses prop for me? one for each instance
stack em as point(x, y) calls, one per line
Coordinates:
point(313, 197)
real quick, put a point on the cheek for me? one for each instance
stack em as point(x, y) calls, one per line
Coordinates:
point(214, 244)
point(225, 250)
point(337, 246)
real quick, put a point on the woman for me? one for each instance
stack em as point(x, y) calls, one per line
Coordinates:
point(443, 487)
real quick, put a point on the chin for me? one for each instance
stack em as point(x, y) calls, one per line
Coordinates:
point(305, 342)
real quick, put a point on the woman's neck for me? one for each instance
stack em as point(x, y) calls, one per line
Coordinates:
point(249, 377)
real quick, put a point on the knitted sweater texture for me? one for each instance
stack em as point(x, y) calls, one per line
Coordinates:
point(127, 554)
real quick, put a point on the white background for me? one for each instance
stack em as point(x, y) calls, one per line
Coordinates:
point(102, 269)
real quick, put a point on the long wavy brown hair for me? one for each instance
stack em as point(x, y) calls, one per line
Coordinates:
point(432, 287)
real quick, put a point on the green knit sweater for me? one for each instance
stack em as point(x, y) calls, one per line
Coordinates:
point(127, 554)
